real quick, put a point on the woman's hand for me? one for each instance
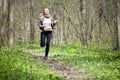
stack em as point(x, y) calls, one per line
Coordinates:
point(55, 21)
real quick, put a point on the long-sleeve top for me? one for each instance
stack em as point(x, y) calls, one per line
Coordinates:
point(41, 22)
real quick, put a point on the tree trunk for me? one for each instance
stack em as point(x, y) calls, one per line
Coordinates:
point(117, 27)
point(54, 37)
point(118, 32)
point(118, 47)
point(11, 24)
point(4, 23)
point(32, 29)
point(1, 9)
point(61, 35)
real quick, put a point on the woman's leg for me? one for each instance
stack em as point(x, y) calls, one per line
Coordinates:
point(49, 35)
point(42, 42)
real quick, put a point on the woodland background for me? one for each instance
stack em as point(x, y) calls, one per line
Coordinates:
point(89, 22)
point(85, 43)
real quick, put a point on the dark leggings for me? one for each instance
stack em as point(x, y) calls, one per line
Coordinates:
point(45, 40)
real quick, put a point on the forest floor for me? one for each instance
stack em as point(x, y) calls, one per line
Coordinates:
point(64, 63)
point(67, 71)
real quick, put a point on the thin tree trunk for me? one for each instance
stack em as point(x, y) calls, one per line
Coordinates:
point(1, 9)
point(61, 35)
point(4, 23)
point(118, 32)
point(116, 27)
point(32, 29)
point(11, 24)
point(118, 40)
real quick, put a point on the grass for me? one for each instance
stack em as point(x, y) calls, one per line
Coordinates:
point(16, 64)
point(102, 64)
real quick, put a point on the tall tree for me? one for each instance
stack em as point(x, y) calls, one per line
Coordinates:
point(4, 23)
point(11, 23)
point(118, 23)
point(32, 29)
point(118, 47)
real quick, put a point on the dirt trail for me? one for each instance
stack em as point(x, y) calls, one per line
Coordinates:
point(67, 71)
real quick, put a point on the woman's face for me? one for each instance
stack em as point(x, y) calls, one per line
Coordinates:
point(46, 11)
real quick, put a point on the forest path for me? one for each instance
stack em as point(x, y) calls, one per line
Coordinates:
point(67, 71)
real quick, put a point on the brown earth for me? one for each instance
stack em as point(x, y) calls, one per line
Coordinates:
point(67, 71)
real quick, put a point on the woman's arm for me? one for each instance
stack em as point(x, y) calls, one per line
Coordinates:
point(53, 23)
point(40, 24)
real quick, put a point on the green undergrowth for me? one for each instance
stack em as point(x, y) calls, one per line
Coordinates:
point(16, 64)
point(100, 63)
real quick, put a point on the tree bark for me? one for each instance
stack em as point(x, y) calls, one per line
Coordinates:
point(11, 24)
point(32, 29)
point(4, 23)
point(118, 40)
point(118, 32)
